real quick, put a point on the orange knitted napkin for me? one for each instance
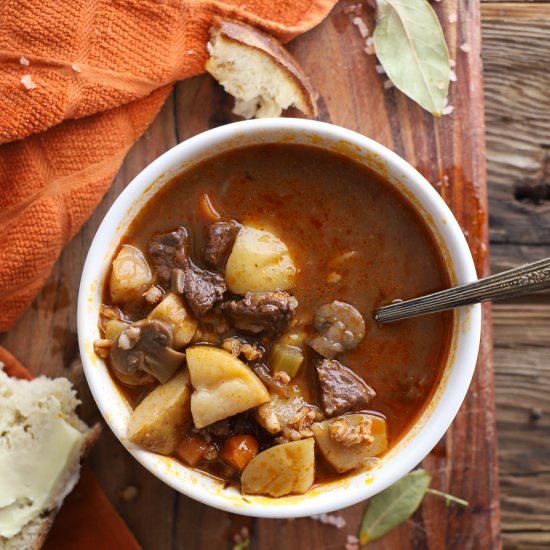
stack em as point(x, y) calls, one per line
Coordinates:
point(79, 82)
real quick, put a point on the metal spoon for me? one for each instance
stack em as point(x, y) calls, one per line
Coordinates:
point(508, 284)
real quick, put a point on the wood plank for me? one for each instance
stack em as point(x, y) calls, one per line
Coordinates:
point(516, 49)
point(516, 46)
point(352, 95)
point(508, 255)
point(524, 10)
point(522, 379)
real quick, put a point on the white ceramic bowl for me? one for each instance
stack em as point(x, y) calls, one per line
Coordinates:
point(458, 372)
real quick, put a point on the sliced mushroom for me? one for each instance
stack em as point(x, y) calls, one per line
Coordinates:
point(340, 328)
point(145, 347)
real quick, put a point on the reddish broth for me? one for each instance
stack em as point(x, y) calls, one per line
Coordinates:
point(353, 237)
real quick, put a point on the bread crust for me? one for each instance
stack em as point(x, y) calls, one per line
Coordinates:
point(250, 37)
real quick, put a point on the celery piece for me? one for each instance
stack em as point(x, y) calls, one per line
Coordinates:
point(286, 358)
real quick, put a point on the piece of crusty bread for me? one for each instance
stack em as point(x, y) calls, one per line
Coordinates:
point(254, 68)
point(25, 407)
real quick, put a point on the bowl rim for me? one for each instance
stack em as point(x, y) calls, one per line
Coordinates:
point(463, 266)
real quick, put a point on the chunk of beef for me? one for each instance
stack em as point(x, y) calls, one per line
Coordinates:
point(241, 423)
point(341, 389)
point(202, 289)
point(218, 242)
point(222, 428)
point(168, 251)
point(262, 311)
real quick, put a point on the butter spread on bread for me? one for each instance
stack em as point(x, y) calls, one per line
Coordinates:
point(41, 442)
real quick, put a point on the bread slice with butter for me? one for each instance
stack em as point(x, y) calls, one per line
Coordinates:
point(254, 68)
point(42, 442)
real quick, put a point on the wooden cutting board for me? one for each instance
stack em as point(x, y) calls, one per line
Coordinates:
point(449, 152)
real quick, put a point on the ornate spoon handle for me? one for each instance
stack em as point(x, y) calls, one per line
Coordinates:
point(515, 282)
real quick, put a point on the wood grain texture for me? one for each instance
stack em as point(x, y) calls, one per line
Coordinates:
point(516, 50)
point(522, 360)
point(450, 153)
point(515, 57)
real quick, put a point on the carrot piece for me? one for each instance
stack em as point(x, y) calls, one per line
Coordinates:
point(207, 210)
point(191, 449)
point(239, 450)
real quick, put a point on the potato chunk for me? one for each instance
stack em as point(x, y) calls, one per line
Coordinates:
point(130, 275)
point(173, 312)
point(159, 422)
point(363, 436)
point(224, 386)
point(259, 262)
point(281, 470)
point(114, 327)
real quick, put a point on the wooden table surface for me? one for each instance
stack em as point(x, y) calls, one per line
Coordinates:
point(516, 59)
point(517, 80)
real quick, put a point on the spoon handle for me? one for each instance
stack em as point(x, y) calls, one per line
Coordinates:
point(508, 284)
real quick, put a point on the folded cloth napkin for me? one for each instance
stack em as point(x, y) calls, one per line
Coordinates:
point(87, 520)
point(79, 83)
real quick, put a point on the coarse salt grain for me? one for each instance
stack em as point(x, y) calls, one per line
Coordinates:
point(24, 61)
point(453, 18)
point(452, 76)
point(360, 24)
point(465, 47)
point(379, 69)
point(369, 46)
point(331, 519)
point(75, 68)
point(352, 543)
point(388, 84)
point(452, 63)
point(26, 80)
point(190, 52)
point(340, 522)
point(448, 109)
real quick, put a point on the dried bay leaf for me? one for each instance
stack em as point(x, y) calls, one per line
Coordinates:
point(394, 505)
point(410, 45)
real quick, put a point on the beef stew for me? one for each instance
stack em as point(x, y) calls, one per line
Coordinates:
point(237, 318)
